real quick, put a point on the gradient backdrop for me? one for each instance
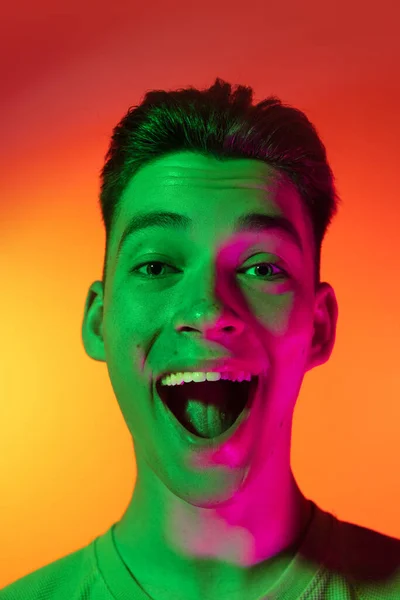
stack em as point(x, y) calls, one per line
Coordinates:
point(67, 468)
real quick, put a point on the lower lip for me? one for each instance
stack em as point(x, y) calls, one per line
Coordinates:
point(193, 439)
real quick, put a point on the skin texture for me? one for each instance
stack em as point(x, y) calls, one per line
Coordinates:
point(217, 522)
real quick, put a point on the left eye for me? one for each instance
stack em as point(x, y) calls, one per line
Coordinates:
point(265, 265)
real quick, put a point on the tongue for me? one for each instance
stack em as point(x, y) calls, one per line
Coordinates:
point(209, 408)
point(207, 420)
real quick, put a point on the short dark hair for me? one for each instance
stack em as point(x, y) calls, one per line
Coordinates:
point(226, 125)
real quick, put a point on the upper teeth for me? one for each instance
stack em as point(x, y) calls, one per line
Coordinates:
point(186, 377)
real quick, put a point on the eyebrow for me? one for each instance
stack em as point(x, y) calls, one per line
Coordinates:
point(258, 222)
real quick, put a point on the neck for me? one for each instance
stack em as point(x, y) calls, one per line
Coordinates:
point(256, 534)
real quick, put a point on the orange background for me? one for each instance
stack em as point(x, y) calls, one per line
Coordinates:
point(67, 470)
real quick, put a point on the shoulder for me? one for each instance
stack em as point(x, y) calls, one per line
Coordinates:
point(59, 579)
point(367, 558)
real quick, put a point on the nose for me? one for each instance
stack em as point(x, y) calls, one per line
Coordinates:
point(212, 322)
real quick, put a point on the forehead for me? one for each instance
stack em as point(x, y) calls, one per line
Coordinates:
point(212, 192)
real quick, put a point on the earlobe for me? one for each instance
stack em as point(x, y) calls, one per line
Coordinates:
point(92, 325)
point(325, 321)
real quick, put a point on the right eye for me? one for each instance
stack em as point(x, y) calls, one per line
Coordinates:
point(151, 262)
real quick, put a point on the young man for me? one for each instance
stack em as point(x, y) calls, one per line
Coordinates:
point(208, 316)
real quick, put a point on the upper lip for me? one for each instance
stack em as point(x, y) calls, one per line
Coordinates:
point(220, 365)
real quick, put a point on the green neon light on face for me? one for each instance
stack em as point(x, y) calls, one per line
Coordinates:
point(228, 503)
point(258, 222)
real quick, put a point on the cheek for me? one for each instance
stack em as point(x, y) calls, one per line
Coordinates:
point(122, 343)
point(282, 314)
point(287, 327)
point(292, 350)
point(126, 321)
point(128, 334)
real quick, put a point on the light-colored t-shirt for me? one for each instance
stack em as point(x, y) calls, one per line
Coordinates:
point(336, 561)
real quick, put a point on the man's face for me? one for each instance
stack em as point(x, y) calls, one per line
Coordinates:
point(208, 299)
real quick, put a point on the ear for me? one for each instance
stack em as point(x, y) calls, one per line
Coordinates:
point(92, 325)
point(325, 320)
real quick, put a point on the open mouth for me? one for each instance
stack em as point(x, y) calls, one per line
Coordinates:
point(209, 408)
